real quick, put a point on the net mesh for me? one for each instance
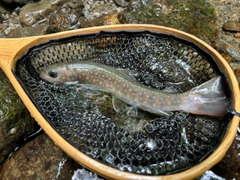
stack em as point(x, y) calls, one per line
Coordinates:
point(143, 144)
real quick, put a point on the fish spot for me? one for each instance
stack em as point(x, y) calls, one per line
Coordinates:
point(147, 96)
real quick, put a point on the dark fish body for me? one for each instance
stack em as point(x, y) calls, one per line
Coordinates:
point(206, 99)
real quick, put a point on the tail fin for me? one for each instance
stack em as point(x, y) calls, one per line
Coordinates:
point(208, 99)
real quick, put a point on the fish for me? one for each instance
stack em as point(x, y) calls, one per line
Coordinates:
point(205, 99)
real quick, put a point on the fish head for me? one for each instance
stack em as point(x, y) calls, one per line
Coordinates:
point(57, 74)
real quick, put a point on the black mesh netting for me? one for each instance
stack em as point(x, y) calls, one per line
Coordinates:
point(143, 143)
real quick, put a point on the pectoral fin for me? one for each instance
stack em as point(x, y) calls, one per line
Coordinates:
point(118, 105)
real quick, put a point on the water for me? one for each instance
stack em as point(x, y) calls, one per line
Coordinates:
point(209, 175)
point(82, 174)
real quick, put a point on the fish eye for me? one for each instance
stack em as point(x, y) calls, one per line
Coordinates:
point(53, 73)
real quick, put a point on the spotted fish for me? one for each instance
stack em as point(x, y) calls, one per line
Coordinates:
point(205, 99)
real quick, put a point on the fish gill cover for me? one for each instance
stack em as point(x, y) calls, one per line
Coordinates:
point(144, 143)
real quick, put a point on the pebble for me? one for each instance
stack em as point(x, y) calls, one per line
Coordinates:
point(232, 26)
point(233, 52)
point(237, 72)
point(227, 57)
point(122, 3)
point(237, 35)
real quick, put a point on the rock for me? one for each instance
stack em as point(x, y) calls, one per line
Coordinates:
point(183, 15)
point(19, 1)
point(39, 159)
point(102, 9)
point(229, 166)
point(230, 47)
point(36, 13)
point(15, 121)
point(227, 57)
point(122, 3)
point(82, 174)
point(233, 52)
point(109, 19)
point(209, 175)
point(3, 10)
point(66, 17)
point(10, 22)
point(41, 29)
point(235, 67)
point(94, 9)
point(237, 35)
point(237, 72)
point(232, 26)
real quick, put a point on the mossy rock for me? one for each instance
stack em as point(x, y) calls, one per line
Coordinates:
point(15, 120)
point(197, 17)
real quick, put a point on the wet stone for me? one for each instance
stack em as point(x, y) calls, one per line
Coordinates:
point(28, 31)
point(170, 13)
point(67, 17)
point(231, 47)
point(209, 175)
point(108, 19)
point(229, 166)
point(19, 1)
point(234, 52)
point(104, 8)
point(94, 9)
point(227, 57)
point(3, 10)
point(40, 159)
point(237, 72)
point(122, 3)
point(232, 26)
point(15, 121)
point(237, 35)
point(36, 13)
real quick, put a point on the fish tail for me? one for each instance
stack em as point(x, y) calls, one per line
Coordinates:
point(208, 99)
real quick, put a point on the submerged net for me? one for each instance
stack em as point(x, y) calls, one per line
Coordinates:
point(143, 143)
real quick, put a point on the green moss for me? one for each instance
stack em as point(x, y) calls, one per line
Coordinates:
point(15, 121)
point(193, 16)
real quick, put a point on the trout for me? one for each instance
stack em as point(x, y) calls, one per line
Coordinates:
point(205, 99)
